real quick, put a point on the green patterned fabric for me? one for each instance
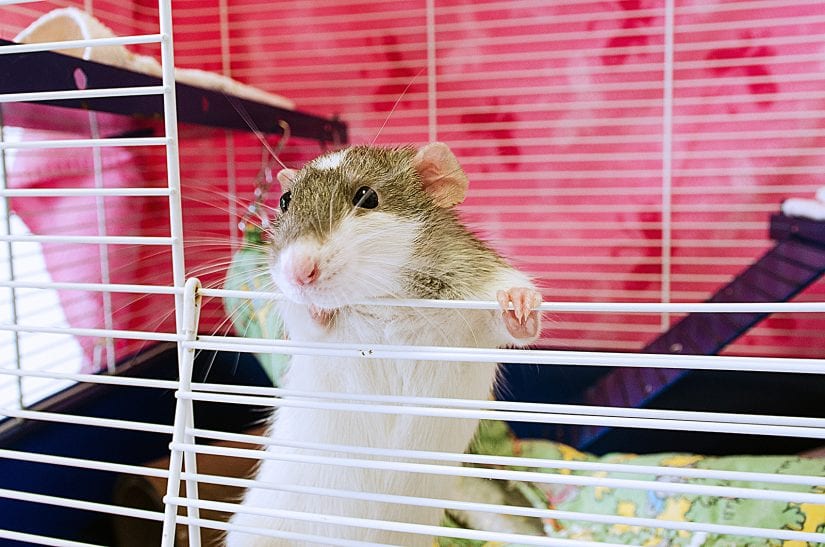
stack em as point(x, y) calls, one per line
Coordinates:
point(496, 438)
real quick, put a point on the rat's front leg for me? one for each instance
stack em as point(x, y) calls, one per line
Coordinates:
point(523, 321)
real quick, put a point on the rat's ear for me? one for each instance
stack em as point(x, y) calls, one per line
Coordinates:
point(286, 177)
point(441, 175)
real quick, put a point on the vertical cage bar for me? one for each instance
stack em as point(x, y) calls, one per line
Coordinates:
point(223, 16)
point(183, 421)
point(4, 184)
point(232, 189)
point(105, 277)
point(432, 113)
point(667, 158)
point(183, 408)
point(229, 137)
point(170, 119)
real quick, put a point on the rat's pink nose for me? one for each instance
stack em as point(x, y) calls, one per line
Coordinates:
point(305, 270)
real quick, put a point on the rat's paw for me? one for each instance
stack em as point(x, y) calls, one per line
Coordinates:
point(523, 322)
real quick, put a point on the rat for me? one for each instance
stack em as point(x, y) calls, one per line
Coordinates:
point(362, 223)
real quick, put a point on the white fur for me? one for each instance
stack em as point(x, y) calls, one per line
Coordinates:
point(380, 325)
point(329, 161)
point(356, 262)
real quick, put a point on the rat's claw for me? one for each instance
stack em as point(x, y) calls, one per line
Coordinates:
point(503, 300)
point(523, 321)
point(524, 302)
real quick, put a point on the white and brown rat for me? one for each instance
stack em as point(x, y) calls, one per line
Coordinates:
point(365, 223)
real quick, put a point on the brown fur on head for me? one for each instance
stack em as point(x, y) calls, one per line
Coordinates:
point(407, 182)
point(421, 185)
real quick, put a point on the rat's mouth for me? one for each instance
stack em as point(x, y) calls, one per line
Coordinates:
point(316, 298)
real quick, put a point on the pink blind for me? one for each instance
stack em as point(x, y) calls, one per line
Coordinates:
point(614, 156)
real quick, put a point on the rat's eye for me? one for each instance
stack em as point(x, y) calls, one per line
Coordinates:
point(365, 197)
point(284, 203)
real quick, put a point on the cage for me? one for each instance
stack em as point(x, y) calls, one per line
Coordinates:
point(653, 165)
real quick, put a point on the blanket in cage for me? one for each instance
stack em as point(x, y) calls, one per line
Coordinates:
point(496, 438)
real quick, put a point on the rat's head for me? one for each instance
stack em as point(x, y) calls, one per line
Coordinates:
point(350, 220)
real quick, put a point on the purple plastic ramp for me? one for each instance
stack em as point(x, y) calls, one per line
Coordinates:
point(796, 261)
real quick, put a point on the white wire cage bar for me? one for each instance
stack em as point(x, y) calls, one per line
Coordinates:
point(183, 434)
point(422, 461)
point(174, 242)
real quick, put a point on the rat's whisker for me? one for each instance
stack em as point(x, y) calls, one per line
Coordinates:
point(241, 110)
point(395, 105)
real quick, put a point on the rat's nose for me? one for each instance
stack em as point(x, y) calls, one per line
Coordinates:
point(305, 270)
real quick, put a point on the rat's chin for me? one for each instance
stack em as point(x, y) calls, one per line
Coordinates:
point(311, 297)
point(318, 294)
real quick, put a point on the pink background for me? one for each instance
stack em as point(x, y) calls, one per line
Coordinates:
point(556, 112)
